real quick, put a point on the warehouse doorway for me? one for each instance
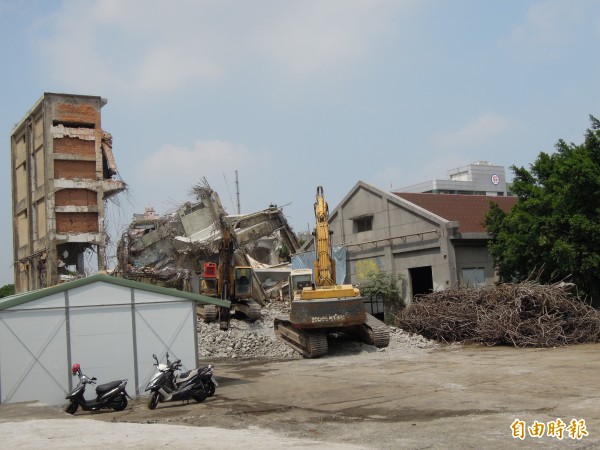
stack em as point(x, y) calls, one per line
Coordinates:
point(421, 280)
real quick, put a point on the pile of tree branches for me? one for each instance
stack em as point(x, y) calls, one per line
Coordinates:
point(525, 314)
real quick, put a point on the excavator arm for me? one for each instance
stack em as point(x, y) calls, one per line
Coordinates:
point(324, 263)
point(326, 306)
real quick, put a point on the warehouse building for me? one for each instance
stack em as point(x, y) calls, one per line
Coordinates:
point(431, 241)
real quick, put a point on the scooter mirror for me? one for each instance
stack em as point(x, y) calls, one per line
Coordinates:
point(155, 358)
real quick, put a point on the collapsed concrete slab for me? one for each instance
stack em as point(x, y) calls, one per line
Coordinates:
point(171, 250)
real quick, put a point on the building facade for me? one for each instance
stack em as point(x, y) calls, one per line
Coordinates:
point(62, 171)
point(433, 242)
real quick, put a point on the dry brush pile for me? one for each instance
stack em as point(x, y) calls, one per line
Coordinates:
point(526, 314)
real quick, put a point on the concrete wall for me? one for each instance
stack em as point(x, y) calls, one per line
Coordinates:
point(470, 255)
point(401, 238)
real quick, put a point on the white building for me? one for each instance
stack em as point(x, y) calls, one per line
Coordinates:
point(479, 178)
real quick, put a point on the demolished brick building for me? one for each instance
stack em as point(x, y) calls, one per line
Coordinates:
point(63, 172)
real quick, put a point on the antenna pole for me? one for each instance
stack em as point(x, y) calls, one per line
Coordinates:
point(237, 192)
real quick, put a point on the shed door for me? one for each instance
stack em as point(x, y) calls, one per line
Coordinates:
point(32, 348)
point(161, 328)
point(101, 342)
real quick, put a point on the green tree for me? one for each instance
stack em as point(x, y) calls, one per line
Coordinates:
point(553, 231)
point(387, 286)
point(284, 254)
point(6, 290)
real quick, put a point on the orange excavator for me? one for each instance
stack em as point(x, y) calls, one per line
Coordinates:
point(325, 307)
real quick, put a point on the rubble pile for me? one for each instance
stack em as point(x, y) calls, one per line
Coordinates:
point(170, 250)
point(245, 340)
point(525, 314)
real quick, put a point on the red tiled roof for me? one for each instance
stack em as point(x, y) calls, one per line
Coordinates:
point(468, 210)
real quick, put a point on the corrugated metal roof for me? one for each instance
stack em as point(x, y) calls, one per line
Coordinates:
point(468, 210)
point(24, 297)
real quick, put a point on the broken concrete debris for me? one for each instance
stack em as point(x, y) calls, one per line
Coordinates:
point(256, 340)
point(171, 250)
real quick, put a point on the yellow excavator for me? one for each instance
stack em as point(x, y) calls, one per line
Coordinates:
point(233, 283)
point(324, 307)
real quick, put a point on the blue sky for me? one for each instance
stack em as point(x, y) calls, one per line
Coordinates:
point(298, 94)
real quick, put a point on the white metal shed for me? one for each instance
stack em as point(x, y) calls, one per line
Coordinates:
point(109, 325)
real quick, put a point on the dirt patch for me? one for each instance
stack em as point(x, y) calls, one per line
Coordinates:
point(450, 397)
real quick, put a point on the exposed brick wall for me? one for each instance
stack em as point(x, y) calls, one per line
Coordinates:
point(75, 197)
point(74, 146)
point(73, 114)
point(76, 222)
point(75, 169)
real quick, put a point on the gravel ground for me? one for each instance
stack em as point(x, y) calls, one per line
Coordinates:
point(245, 340)
point(34, 425)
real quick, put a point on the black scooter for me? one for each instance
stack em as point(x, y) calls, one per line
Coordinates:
point(208, 380)
point(164, 386)
point(108, 396)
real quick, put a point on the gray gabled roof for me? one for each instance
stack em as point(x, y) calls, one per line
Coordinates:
point(24, 297)
point(428, 215)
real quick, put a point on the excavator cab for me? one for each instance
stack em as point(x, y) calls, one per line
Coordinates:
point(209, 279)
point(299, 279)
point(242, 282)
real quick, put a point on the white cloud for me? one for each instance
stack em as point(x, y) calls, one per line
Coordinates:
point(315, 36)
point(172, 162)
point(155, 69)
point(548, 25)
point(476, 132)
point(174, 169)
point(155, 46)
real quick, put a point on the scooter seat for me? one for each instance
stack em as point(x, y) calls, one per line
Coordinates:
point(104, 388)
point(184, 376)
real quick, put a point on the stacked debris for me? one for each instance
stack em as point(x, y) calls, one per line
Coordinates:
point(526, 314)
point(170, 250)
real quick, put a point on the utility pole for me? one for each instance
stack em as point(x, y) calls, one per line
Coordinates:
point(237, 192)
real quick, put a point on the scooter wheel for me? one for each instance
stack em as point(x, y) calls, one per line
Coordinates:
point(120, 404)
point(71, 408)
point(210, 388)
point(200, 395)
point(153, 400)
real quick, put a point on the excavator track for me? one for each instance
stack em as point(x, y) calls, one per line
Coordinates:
point(209, 313)
point(311, 344)
point(375, 332)
point(248, 309)
point(253, 311)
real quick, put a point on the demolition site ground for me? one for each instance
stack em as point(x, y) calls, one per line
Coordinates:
point(412, 396)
